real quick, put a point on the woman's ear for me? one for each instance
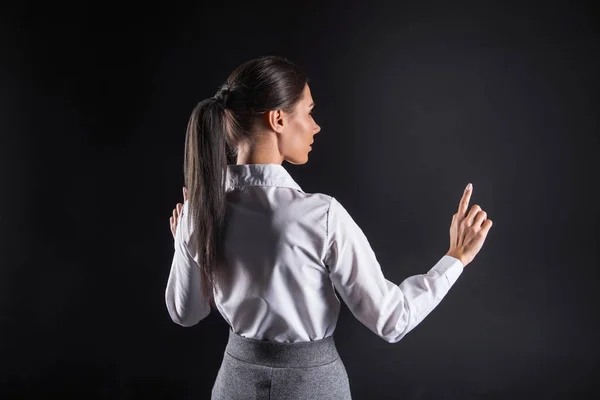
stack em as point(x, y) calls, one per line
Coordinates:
point(276, 120)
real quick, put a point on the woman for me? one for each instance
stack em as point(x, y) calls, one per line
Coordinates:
point(272, 255)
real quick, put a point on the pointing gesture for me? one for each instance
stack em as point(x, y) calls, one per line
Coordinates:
point(468, 231)
point(176, 212)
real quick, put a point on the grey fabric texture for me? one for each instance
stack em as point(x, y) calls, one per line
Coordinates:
point(265, 370)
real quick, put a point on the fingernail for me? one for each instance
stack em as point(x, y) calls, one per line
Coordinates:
point(469, 186)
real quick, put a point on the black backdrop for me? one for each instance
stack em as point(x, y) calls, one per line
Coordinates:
point(415, 100)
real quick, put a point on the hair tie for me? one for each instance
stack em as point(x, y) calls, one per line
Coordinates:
point(222, 95)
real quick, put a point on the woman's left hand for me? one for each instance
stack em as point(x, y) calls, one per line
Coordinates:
point(176, 211)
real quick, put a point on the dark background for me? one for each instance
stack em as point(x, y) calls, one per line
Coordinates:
point(415, 100)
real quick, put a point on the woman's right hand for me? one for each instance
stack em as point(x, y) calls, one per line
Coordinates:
point(468, 231)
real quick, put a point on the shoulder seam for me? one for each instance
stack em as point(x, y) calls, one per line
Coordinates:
point(326, 247)
point(327, 224)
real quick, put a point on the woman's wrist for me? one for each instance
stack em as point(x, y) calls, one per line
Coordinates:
point(458, 256)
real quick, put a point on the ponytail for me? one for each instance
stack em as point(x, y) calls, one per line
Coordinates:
point(204, 168)
point(219, 124)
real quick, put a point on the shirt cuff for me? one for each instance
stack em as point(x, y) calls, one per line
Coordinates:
point(450, 267)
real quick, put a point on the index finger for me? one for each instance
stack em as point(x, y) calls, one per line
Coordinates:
point(463, 206)
point(185, 194)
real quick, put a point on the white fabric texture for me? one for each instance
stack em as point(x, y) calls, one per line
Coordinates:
point(287, 252)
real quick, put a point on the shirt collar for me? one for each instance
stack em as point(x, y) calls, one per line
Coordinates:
point(239, 175)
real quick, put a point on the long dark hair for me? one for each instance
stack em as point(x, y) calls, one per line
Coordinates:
point(216, 127)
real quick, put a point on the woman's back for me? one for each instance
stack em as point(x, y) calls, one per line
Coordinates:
point(274, 285)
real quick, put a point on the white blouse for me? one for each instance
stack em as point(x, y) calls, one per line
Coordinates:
point(286, 253)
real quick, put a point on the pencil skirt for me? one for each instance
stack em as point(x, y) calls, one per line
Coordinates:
point(266, 370)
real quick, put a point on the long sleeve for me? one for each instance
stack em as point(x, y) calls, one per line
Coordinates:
point(183, 294)
point(389, 310)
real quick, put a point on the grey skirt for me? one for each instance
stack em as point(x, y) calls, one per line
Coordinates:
point(255, 370)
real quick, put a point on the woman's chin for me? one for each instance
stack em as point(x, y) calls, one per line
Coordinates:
point(298, 161)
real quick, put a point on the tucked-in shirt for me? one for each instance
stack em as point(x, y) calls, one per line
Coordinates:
point(286, 254)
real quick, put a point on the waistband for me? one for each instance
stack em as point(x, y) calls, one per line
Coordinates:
point(282, 354)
